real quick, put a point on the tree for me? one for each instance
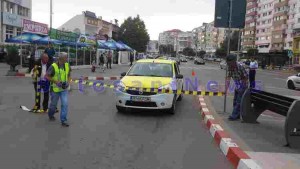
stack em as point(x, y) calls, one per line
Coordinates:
point(201, 53)
point(252, 52)
point(12, 57)
point(189, 51)
point(234, 42)
point(221, 52)
point(133, 32)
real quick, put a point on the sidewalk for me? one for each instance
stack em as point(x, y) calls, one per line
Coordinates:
point(263, 142)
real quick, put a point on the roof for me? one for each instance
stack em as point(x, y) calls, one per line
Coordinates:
point(156, 61)
point(174, 30)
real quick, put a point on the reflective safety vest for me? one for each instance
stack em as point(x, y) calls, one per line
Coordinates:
point(60, 75)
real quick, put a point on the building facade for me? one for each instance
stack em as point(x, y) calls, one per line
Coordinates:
point(152, 47)
point(12, 14)
point(249, 34)
point(88, 23)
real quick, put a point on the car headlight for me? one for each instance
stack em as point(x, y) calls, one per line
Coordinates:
point(121, 87)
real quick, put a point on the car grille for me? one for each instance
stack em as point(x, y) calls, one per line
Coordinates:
point(133, 92)
point(141, 104)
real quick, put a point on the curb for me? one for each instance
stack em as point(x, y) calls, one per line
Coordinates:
point(234, 154)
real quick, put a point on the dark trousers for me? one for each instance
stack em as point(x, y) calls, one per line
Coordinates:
point(108, 63)
point(42, 89)
point(252, 74)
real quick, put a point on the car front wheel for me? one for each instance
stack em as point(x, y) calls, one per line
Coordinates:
point(172, 110)
point(291, 85)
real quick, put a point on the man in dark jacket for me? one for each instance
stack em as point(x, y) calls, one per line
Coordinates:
point(41, 84)
point(131, 58)
point(50, 52)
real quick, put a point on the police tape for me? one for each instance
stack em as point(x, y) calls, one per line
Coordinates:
point(98, 78)
point(151, 90)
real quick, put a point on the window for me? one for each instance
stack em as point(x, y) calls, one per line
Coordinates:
point(9, 7)
point(22, 11)
point(9, 32)
point(19, 31)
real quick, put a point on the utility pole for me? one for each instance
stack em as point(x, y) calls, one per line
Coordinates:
point(228, 49)
point(51, 13)
point(239, 44)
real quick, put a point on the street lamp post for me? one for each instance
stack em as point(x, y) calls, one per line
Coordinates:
point(228, 50)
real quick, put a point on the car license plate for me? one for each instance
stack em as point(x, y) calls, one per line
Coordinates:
point(140, 99)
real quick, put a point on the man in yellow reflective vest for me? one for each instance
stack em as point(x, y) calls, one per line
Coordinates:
point(59, 75)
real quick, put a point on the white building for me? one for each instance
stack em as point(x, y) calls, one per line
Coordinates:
point(12, 14)
point(88, 23)
point(152, 46)
point(184, 40)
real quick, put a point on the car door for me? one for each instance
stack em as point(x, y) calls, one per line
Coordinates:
point(179, 82)
point(297, 81)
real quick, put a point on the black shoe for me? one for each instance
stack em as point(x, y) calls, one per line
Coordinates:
point(52, 118)
point(65, 124)
point(56, 111)
point(232, 119)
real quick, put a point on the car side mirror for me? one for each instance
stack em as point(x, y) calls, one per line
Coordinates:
point(179, 76)
point(123, 74)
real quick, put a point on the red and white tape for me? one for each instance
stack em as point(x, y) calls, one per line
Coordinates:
point(237, 157)
point(98, 78)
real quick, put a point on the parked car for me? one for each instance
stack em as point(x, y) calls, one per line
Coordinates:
point(293, 82)
point(217, 59)
point(183, 59)
point(199, 60)
point(223, 64)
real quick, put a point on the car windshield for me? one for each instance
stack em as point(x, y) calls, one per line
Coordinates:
point(151, 69)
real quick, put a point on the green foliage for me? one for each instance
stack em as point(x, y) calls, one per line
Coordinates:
point(12, 57)
point(133, 32)
point(189, 52)
point(221, 52)
point(201, 53)
point(252, 52)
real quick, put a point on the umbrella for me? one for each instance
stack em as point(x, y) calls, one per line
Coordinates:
point(102, 45)
point(127, 47)
point(46, 40)
point(24, 38)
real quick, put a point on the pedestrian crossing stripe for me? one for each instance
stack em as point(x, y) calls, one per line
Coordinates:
point(154, 90)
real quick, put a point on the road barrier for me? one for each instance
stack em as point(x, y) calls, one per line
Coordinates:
point(154, 90)
point(255, 102)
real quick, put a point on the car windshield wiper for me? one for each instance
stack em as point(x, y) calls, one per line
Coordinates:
point(135, 75)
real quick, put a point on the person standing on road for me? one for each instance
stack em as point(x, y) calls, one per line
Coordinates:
point(131, 58)
point(101, 62)
point(50, 52)
point(60, 77)
point(109, 59)
point(40, 83)
point(252, 72)
point(239, 75)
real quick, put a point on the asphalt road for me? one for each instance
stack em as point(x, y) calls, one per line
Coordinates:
point(99, 137)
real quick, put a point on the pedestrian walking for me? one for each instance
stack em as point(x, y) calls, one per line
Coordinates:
point(41, 84)
point(109, 59)
point(252, 72)
point(59, 74)
point(50, 52)
point(239, 75)
point(102, 62)
point(131, 58)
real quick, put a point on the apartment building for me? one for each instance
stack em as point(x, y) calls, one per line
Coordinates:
point(184, 39)
point(249, 35)
point(292, 10)
point(264, 25)
point(296, 34)
point(12, 14)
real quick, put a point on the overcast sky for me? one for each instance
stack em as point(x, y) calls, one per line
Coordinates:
point(158, 15)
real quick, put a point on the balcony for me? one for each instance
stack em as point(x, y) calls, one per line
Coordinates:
point(254, 13)
point(249, 35)
point(250, 28)
point(281, 4)
point(249, 43)
point(297, 26)
point(281, 13)
point(251, 6)
point(277, 40)
point(279, 23)
point(249, 21)
point(279, 49)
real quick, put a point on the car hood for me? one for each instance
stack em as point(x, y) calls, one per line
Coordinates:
point(145, 81)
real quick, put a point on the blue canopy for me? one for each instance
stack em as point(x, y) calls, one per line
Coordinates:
point(46, 40)
point(101, 45)
point(126, 47)
point(24, 38)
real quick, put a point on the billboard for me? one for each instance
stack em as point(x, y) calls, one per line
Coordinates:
point(63, 36)
point(35, 27)
point(222, 13)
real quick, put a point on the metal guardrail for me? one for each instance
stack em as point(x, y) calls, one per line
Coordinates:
point(255, 102)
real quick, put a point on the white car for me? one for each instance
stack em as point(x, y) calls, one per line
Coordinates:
point(293, 82)
point(150, 75)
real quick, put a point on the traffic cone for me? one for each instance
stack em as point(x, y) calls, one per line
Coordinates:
point(193, 73)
